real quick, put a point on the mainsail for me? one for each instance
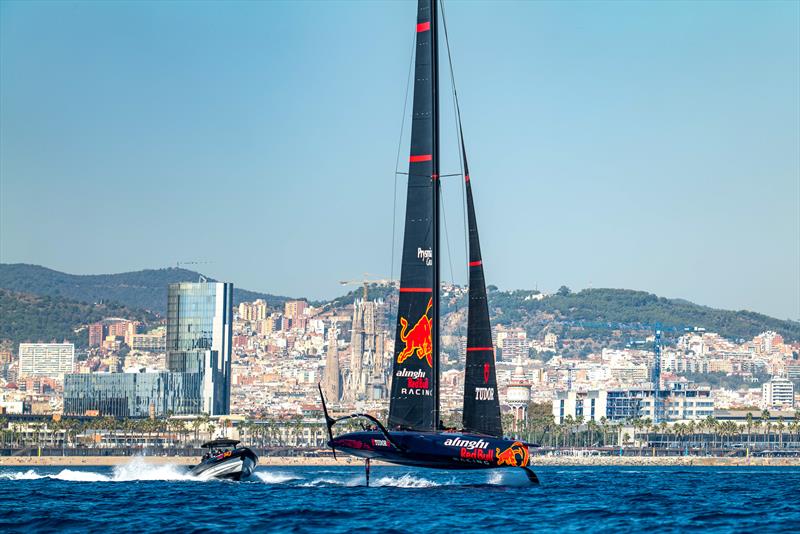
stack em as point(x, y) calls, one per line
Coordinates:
point(414, 400)
point(481, 402)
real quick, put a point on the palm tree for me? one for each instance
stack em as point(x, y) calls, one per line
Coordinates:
point(779, 427)
point(749, 426)
point(604, 429)
point(765, 419)
point(691, 429)
point(711, 425)
point(796, 420)
point(578, 425)
point(567, 425)
point(592, 428)
point(210, 427)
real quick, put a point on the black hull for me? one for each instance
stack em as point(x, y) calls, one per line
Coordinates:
point(435, 450)
point(240, 463)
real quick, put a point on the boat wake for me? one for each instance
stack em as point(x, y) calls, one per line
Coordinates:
point(405, 481)
point(65, 474)
point(134, 471)
point(137, 470)
point(351, 482)
point(508, 477)
point(274, 478)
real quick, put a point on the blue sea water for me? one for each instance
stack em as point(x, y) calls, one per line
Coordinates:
point(144, 498)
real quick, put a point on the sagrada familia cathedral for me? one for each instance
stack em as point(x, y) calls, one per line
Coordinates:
point(365, 376)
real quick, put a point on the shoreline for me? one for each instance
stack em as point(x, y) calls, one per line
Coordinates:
point(278, 461)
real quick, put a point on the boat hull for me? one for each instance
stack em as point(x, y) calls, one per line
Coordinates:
point(240, 463)
point(438, 450)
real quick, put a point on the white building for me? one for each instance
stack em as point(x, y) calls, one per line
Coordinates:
point(46, 359)
point(778, 392)
point(679, 402)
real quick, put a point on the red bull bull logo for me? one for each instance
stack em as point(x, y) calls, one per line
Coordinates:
point(417, 338)
point(514, 456)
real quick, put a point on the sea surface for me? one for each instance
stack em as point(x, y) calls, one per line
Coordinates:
point(146, 498)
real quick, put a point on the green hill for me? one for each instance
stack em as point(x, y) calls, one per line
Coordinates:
point(145, 289)
point(578, 314)
point(572, 315)
point(33, 318)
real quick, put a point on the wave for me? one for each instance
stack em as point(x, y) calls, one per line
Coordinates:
point(138, 470)
point(357, 481)
point(67, 475)
point(508, 477)
point(275, 478)
point(30, 474)
point(406, 481)
point(135, 470)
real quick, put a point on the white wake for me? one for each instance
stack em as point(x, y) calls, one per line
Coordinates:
point(135, 470)
point(275, 478)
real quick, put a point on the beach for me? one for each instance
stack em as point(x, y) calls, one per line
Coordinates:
point(281, 461)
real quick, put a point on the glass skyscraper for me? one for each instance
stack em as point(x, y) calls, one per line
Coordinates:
point(198, 376)
point(199, 330)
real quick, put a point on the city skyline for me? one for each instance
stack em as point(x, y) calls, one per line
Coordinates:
point(651, 147)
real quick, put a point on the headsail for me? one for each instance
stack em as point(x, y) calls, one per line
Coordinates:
point(481, 402)
point(415, 375)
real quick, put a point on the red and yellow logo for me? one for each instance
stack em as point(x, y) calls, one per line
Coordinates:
point(515, 456)
point(417, 339)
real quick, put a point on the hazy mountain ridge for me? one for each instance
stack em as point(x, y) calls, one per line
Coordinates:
point(25, 313)
point(145, 289)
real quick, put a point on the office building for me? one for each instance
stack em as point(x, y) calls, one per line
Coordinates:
point(199, 331)
point(46, 359)
point(133, 394)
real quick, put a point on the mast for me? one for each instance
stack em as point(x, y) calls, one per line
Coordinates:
point(437, 190)
point(414, 400)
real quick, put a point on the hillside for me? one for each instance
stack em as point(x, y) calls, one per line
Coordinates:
point(593, 313)
point(145, 289)
point(25, 317)
point(556, 312)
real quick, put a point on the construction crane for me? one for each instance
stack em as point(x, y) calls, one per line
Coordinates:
point(365, 281)
point(179, 263)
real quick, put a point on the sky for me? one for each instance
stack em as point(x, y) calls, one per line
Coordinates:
point(641, 145)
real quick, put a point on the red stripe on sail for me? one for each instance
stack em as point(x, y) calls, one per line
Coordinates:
point(416, 290)
point(466, 178)
point(423, 27)
point(421, 157)
point(475, 263)
point(476, 349)
point(434, 176)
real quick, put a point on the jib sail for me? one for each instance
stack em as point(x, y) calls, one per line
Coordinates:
point(415, 375)
point(481, 403)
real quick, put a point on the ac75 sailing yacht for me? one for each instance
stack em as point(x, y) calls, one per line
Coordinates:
point(414, 435)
